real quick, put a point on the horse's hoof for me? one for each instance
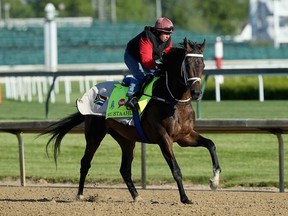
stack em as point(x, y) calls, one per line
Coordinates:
point(213, 184)
point(187, 201)
point(138, 199)
point(79, 197)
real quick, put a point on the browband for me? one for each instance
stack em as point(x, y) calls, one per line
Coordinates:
point(194, 55)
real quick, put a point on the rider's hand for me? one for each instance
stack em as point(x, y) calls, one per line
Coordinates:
point(158, 61)
point(159, 68)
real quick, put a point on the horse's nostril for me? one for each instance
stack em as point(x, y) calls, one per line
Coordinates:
point(196, 94)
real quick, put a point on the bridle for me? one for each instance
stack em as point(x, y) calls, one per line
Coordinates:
point(184, 72)
point(185, 77)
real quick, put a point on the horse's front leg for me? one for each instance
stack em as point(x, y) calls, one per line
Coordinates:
point(196, 140)
point(209, 144)
point(175, 169)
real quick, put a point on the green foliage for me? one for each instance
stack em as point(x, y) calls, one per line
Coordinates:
point(18, 9)
point(244, 109)
point(216, 16)
point(247, 88)
point(72, 8)
point(135, 11)
point(224, 17)
point(184, 14)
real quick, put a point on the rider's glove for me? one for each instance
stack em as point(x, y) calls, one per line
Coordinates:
point(159, 69)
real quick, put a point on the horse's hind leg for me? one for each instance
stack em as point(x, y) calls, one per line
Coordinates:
point(95, 131)
point(127, 147)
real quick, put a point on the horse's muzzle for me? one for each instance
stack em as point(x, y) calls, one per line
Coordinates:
point(196, 94)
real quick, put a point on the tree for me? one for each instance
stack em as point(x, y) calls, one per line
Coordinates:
point(222, 16)
point(209, 16)
point(135, 11)
point(72, 8)
point(17, 9)
point(185, 14)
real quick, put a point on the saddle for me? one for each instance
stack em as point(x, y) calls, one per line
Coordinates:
point(147, 79)
point(132, 103)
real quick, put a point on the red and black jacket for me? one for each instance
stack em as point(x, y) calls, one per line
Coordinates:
point(146, 47)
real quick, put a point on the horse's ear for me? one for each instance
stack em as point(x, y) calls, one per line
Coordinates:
point(202, 46)
point(187, 45)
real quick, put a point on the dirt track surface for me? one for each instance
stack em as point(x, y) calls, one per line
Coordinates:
point(60, 200)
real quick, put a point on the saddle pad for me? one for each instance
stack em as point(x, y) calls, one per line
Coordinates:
point(116, 103)
point(94, 101)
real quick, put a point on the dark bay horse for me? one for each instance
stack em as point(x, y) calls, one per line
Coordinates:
point(169, 117)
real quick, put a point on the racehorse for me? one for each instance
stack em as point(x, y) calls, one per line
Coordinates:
point(169, 117)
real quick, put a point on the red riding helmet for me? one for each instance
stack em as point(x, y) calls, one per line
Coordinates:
point(163, 24)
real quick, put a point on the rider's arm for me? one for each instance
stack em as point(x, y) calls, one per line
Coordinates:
point(146, 53)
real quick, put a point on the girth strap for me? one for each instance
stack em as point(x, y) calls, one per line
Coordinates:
point(137, 123)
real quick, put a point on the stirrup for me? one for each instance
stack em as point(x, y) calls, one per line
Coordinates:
point(132, 103)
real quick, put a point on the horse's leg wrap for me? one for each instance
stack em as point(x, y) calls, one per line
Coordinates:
point(214, 182)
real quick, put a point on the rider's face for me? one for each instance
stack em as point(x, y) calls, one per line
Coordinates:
point(164, 36)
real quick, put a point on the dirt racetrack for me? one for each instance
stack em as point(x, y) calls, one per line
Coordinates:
point(60, 200)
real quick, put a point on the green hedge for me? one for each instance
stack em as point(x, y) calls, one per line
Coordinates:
point(247, 88)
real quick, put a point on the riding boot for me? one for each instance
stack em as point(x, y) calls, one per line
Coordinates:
point(132, 103)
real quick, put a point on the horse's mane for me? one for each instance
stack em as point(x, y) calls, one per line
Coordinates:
point(180, 50)
point(174, 55)
point(194, 45)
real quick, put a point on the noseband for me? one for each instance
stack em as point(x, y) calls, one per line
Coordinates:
point(184, 72)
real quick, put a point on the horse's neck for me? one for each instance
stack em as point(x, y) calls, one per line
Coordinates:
point(181, 95)
point(169, 88)
point(169, 85)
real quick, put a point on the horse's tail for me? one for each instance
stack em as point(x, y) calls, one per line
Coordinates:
point(59, 129)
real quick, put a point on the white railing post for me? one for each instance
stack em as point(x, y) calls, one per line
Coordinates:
point(261, 88)
point(50, 42)
point(50, 38)
point(219, 79)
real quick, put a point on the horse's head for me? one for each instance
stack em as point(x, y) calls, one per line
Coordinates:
point(192, 67)
point(183, 69)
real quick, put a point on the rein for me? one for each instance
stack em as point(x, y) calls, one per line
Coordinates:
point(167, 86)
point(186, 79)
